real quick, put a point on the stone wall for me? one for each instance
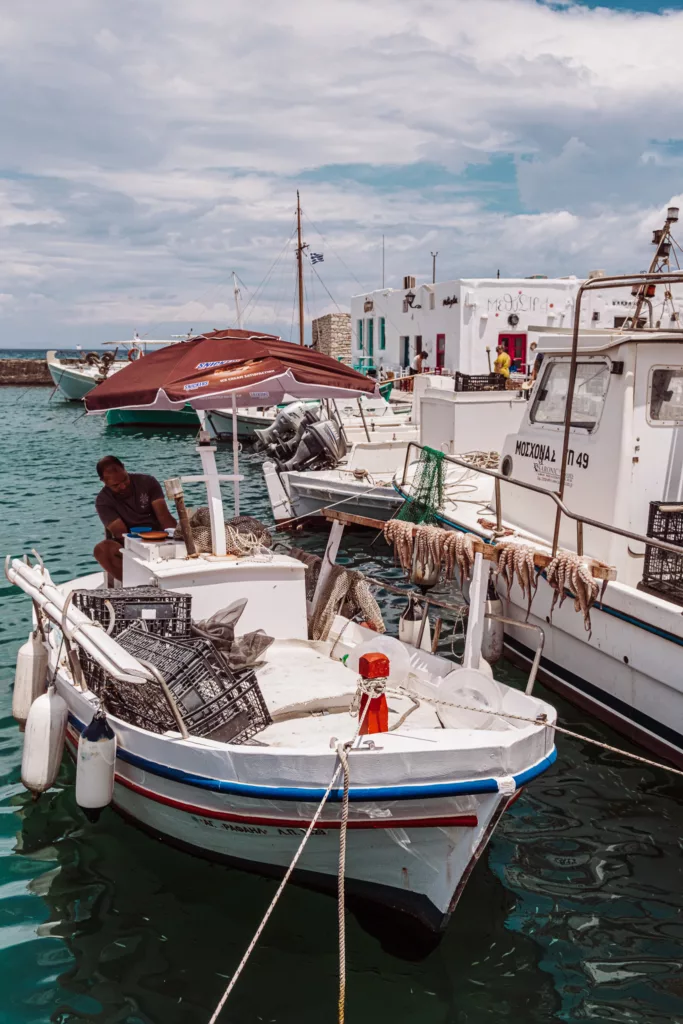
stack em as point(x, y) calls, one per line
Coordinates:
point(24, 371)
point(331, 335)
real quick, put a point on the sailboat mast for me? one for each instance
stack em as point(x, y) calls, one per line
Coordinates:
point(300, 268)
point(236, 291)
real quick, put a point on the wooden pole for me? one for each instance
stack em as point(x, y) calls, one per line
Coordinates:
point(174, 492)
point(300, 268)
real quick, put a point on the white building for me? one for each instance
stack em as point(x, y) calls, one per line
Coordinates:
point(458, 324)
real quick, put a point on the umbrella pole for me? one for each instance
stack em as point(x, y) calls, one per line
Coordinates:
point(235, 456)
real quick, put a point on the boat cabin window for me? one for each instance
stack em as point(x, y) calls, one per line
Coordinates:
point(590, 389)
point(666, 394)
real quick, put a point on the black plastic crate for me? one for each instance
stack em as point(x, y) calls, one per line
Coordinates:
point(663, 570)
point(213, 700)
point(162, 611)
point(479, 381)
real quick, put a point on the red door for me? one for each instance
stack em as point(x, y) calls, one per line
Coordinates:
point(515, 346)
point(440, 351)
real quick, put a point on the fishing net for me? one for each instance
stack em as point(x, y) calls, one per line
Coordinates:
point(427, 489)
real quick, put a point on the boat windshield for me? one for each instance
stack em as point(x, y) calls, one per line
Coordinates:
point(590, 389)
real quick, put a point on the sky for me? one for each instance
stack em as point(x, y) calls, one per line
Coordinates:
point(148, 150)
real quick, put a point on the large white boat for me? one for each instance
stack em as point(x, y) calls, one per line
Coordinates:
point(238, 775)
point(599, 475)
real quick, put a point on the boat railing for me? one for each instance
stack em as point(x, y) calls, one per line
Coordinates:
point(578, 518)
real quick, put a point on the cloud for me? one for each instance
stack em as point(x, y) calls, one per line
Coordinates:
point(149, 149)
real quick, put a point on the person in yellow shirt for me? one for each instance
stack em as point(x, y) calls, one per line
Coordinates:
point(502, 362)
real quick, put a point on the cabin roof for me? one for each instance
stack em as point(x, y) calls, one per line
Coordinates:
point(559, 339)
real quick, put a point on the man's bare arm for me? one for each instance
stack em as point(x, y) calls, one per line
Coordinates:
point(166, 520)
point(117, 528)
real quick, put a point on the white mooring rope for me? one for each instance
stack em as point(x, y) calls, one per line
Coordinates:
point(400, 691)
point(343, 766)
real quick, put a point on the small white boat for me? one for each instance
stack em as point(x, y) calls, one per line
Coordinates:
point(426, 789)
point(380, 419)
point(75, 377)
point(363, 481)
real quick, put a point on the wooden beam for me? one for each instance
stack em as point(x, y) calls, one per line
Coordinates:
point(599, 570)
point(334, 515)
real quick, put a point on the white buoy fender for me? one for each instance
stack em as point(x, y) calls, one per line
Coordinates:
point(95, 766)
point(43, 741)
point(494, 634)
point(30, 678)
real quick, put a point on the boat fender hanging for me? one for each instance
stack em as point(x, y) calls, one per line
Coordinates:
point(493, 636)
point(43, 741)
point(95, 766)
point(30, 677)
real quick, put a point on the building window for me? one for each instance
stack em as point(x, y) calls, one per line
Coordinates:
point(432, 300)
point(590, 389)
point(382, 333)
point(359, 336)
point(405, 351)
point(371, 337)
point(666, 394)
point(418, 343)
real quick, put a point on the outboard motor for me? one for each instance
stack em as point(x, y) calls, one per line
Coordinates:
point(284, 427)
point(322, 446)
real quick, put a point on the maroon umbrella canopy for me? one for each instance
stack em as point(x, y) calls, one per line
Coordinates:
point(207, 371)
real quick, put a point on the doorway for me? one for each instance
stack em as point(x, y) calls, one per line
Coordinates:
point(405, 351)
point(440, 351)
point(515, 346)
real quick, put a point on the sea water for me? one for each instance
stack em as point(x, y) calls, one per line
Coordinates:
point(574, 912)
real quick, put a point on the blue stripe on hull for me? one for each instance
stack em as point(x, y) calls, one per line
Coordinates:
point(420, 791)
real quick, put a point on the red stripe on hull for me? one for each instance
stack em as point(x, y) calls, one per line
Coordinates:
point(458, 820)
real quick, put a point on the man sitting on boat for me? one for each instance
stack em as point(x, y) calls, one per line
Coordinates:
point(125, 501)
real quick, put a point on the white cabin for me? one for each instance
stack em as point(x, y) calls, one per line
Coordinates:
point(626, 441)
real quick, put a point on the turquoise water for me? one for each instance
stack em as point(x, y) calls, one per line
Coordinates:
point(574, 912)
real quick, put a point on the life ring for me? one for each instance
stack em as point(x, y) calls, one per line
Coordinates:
point(133, 354)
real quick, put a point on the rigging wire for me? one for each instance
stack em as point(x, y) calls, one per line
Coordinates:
point(264, 281)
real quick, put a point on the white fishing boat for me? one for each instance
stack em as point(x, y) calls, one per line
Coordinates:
point(598, 475)
point(75, 377)
point(379, 418)
point(238, 759)
point(303, 481)
point(240, 779)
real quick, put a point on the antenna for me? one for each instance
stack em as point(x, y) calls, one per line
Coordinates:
point(300, 266)
point(236, 292)
point(382, 261)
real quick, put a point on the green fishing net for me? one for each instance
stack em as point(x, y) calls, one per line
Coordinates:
point(426, 491)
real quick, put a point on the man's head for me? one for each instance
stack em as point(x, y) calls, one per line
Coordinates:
point(113, 475)
point(533, 346)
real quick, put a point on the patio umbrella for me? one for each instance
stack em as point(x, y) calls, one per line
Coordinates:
point(242, 367)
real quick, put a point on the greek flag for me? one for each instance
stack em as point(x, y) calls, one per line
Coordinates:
point(317, 257)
